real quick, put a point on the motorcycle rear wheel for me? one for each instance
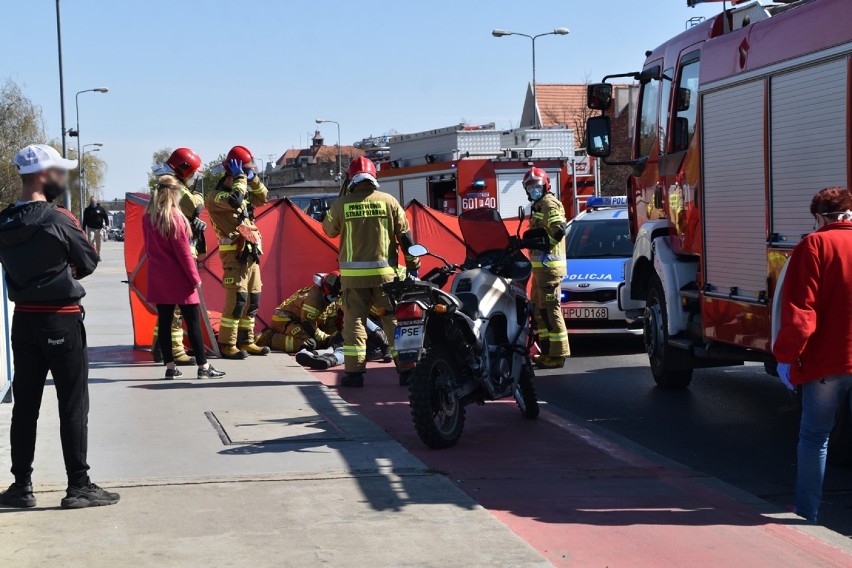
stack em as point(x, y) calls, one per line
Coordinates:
point(438, 417)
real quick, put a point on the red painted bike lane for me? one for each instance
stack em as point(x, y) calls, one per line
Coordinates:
point(583, 500)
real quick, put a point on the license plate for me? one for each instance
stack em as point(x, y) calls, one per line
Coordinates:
point(408, 338)
point(585, 313)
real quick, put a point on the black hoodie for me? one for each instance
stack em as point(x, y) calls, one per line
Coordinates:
point(38, 244)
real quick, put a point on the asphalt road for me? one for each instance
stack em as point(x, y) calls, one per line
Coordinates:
point(735, 423)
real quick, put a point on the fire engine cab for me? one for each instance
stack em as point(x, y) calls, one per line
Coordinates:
point(464, 167)
point(741, 120)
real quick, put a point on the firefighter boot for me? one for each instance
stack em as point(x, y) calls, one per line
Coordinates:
point(312, 360)
point(245, 340)
point(548, 362)
point(231, 352)
point(264, 339)
point(352, 380)
point(183, 360)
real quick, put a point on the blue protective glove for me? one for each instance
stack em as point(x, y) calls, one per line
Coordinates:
point(235, 167)
point(250, 175)
point(784, 375)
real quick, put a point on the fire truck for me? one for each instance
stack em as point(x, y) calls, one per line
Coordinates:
point(741, 120)
point(464, 167)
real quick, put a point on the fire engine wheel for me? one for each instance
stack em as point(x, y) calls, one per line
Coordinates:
point(669, 365)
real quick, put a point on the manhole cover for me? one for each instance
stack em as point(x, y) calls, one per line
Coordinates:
point(270, 427)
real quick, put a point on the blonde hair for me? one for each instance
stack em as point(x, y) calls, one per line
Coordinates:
point(164, 207)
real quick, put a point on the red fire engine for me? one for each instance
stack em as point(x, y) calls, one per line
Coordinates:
point(464, 167)
point(741, 119)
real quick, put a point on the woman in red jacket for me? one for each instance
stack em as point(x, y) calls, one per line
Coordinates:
point(172, 275)
point(814, 343)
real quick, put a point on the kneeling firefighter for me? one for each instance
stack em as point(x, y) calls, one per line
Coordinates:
point(548, 271)
point(305, 319)
point(185, 165)
point(231, 208)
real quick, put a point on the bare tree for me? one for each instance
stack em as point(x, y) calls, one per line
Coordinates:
point(21, 124)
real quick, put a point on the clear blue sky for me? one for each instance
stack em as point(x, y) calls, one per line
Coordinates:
point(212, 74)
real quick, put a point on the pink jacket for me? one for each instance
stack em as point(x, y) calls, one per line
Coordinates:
point(172, 273)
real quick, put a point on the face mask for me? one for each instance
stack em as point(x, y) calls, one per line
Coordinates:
point(52, 190)
point(535, 193)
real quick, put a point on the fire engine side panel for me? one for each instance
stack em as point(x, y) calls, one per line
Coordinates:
point(808, 126)
point(415, 188)
point(392, 186)
point(510, 193)
point(734, 191)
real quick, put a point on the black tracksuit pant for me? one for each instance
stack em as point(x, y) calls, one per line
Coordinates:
point(54, 342)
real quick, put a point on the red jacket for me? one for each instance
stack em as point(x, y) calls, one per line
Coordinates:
point(172, 273)
point(816, 314)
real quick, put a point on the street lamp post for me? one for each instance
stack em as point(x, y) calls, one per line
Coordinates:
point(83, 171)
point(557, 31)
point(339, 149)
point(62, 96)
point(77, 134)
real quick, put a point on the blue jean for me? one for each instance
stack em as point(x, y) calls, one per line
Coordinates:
point(820, 402)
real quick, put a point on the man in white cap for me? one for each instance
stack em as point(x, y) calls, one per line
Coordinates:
point(45, 252)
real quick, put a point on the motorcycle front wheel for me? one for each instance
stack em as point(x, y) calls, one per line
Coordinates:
point(438, 416)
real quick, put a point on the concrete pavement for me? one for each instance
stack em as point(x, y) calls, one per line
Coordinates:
point(265, 467)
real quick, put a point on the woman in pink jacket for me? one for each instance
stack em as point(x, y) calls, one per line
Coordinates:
point(172, 275)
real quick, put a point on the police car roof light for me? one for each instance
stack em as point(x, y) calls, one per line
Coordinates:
point(609, 201)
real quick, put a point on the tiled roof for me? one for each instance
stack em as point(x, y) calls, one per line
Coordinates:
point(560, 104)
point(323, 154)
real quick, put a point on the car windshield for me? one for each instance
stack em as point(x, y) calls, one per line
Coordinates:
point(483, 230)
point(599, 239)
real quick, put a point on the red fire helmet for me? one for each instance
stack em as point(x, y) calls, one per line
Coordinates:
point(536, 176)
point(240, 153)
point(361, 165)
point(184, 163)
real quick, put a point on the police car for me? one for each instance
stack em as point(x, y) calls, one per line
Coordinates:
point(597, 246)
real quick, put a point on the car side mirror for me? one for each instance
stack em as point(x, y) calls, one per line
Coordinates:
point(598, 136)
point(417, 251)
point(599, 96)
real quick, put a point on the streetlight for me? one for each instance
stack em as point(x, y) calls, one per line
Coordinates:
point(82, 171)
point(77, 134)
point(62, 95)
point(339, 150)
point(557, 31)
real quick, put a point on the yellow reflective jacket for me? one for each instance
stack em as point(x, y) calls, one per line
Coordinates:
point(548, 213)
point(226, 218)
point(308, 305)
point(370, 224)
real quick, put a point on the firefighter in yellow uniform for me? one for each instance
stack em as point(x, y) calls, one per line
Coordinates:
point(185, 165)
point(306, 319)
point(548, 271)
point(371, 225)
point(231, 208)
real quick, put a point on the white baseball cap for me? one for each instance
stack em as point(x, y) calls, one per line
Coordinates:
point(39, 157)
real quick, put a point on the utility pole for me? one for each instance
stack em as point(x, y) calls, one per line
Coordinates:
point(62, 96)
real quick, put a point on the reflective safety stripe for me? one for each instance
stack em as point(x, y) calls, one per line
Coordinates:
point(247, 323)
point(281, 318)
point(365, 264)
point(228, 322)
point(543, 334)
point(366, 271)
point(227, 247)
point(177, 334)
point(558, 337)
point(354, 350)
point(538, 215)
point(549, 264)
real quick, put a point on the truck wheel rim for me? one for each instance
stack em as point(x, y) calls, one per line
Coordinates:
point(654, 331)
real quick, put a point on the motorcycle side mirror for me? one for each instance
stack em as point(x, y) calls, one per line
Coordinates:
point(417, 251)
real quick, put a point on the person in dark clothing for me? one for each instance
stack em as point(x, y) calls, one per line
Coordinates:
point(95, 220)
point(45, 253)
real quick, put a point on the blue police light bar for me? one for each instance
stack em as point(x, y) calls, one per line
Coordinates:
point(478, 184)
point(611, 201)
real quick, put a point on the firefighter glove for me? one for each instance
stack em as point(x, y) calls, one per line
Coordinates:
point(784, 375)
point(198, 226)
point(235, 167)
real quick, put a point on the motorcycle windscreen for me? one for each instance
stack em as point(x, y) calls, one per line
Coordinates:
point(483, 230)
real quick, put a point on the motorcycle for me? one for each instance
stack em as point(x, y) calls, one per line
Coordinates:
point(472, 344)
